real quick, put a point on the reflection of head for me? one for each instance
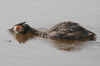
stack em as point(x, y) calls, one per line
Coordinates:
point(22, 38)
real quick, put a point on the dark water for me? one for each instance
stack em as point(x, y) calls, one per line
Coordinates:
point(43, 14)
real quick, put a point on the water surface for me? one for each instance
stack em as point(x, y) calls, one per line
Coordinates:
point(44, 14)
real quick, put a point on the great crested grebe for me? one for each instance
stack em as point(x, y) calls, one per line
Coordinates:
point(64, 30)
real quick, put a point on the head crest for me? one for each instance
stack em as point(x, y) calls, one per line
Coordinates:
point(22, 23)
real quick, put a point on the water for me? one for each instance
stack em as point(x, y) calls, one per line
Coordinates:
point(44, 14)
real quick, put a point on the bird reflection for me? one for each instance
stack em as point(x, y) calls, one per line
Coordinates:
point(69, 45)
point(22, 38)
